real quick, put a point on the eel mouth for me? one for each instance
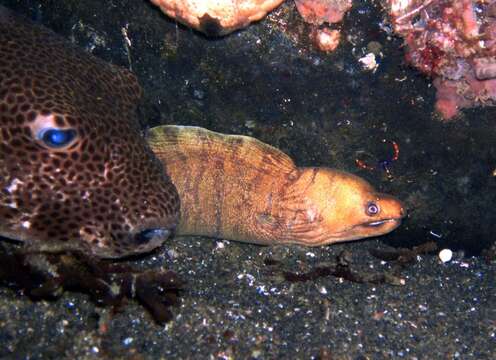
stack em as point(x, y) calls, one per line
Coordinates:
point(379, 223)
point(374, 228)
point(361, 231)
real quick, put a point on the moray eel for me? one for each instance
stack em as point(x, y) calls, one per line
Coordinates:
point(75, 172)
point(238, 188)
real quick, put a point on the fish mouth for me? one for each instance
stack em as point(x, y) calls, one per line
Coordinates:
point(151, 233)
point(120, 244)
point(375, 228)
point(151, 236)
point(379, 223)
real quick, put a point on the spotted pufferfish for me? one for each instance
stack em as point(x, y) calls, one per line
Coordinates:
point(75, 172)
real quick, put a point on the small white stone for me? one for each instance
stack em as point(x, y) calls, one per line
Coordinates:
point(369, 62)
point(219, 245)
point(445, 255)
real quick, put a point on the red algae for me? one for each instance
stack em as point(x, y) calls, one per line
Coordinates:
point(454, 42)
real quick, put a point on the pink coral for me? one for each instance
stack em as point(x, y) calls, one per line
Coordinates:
point(454, 95)
point(216, 17)
point(320, 11)
point(454, 41)
point(326, 39)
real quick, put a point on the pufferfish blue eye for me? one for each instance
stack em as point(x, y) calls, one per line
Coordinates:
point(57, 138)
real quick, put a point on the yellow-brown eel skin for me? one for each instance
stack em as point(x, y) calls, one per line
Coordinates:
point(238, 188)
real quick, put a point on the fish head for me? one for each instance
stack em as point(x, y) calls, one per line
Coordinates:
point(345, 207)
point(75, 172)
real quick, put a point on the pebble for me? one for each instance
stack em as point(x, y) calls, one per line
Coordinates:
point(369, 62)
point(445, 255)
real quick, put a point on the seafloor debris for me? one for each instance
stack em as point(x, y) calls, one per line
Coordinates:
point(404, 255)
point(46, 276)
point(454, 42)
point(367, 161)
point(344, 269)
point(216, 17)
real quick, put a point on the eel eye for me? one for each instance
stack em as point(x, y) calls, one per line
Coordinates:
point(57, 138)
point(372, 209)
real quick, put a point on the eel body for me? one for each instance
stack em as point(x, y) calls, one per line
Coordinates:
point(238, 188)
point(75, 172)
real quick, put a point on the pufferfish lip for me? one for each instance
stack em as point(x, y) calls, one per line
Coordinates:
point(150, 235)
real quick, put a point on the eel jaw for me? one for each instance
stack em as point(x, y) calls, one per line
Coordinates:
point(355, 232)
point(379, 223)
point(369, 229)
point(378, 227)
